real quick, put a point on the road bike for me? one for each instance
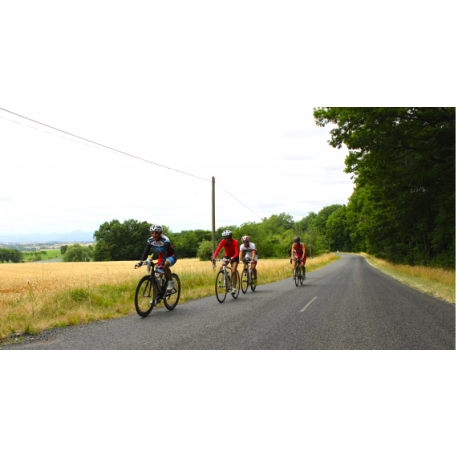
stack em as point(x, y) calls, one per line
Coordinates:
point(298, 277)
point(247, 279)
point(223, 283)
point(152, 289)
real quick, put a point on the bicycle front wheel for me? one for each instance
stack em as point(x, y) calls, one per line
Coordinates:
point(145, 296)
point(171, 299)
point(220, 286)
point(244, 280)
point(302, 279)
point(297, 275)
point(237, 286)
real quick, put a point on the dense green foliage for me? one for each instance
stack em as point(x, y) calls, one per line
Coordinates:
point(63, 249)
point(402, 161)
point(121, 241)
point(78, 253)
point(7, 255)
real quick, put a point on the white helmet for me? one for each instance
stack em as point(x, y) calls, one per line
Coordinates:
point(227, 234)
point(155, 228)
point(245, 238)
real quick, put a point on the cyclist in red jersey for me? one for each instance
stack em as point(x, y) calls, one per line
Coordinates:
point(298, 254)
point(231, 253)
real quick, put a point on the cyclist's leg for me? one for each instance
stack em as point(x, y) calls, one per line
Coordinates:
point(303, 268)
point(167, 264)
point(234, 273)
point(254, 272)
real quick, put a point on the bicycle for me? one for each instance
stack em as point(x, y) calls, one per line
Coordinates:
point(298, 277)
point(247, 279)
point(223, 283)
point(152, 289)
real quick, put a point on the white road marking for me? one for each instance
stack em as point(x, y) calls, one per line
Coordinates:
point(308, 304)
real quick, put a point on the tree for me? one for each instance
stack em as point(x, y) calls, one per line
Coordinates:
point(122, 241)
point(404, 159)
point(63, 249)
point(205, 251)
point(77, 253)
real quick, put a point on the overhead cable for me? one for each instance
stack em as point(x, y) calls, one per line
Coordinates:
point(103, 146)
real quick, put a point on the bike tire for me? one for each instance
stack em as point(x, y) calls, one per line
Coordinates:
point(244, 284)
point(297, 275)
point(145, 296)
point(302, 279)
point(253, 286)
point(237, 286)
point(220, 287)
point(171, 300)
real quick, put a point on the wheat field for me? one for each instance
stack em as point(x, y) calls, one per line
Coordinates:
point(34, 297)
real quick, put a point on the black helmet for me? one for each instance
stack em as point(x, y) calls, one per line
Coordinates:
point(297, 240)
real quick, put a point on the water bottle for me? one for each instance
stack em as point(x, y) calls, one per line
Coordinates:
point(148, 262)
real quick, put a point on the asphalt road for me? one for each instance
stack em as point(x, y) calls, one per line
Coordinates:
point(346, 305)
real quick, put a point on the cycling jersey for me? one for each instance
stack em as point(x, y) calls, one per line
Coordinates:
point(231, 250)
point(300, 251)
point(249, 250)
point(162, 246)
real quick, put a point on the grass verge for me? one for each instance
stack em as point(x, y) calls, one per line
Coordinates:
point(31, 307)
point(437, 282)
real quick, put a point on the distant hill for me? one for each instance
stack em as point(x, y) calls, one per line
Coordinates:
point(75, 236)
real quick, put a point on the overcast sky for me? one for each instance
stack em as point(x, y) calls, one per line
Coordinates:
point(205, 89)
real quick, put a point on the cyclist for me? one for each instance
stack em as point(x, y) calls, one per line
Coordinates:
point(250, 255)
point(231, 253)
point(298, 254)
point(167, 256)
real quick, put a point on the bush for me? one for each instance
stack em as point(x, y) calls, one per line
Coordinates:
point(205, 251)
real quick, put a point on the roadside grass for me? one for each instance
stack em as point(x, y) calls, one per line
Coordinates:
point(35, 297)
point(437, 282)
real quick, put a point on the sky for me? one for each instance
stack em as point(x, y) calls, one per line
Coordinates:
point(198, 87)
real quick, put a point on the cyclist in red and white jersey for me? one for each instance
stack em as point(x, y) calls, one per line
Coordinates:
point(298, 254)
point(231, 253)
point(250, 255)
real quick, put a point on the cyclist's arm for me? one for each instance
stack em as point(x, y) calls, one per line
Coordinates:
point(218, 249)
point(146, 252)
point(237, 252)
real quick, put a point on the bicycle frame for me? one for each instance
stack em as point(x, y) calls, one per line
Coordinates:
point(227, 275)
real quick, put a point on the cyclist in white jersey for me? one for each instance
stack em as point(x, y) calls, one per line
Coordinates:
point(250, 255)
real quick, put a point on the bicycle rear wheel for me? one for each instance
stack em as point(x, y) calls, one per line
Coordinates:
point(145, 296)
point(237, 286)
point(253, 286)
point(171, 299)
point(244, 280)
point(220, 286)
point(302, 278)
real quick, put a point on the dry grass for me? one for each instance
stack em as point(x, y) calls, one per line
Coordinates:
point(34, 297)
point(440, 283)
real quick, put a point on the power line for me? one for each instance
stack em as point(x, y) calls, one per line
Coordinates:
point(103, 146)
point(238, 200)
point(116, 150)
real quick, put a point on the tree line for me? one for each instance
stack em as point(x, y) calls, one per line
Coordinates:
point(402, 161)
point(126, 241)
point(7, 255)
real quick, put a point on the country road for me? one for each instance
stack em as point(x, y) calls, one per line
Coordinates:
point(346, 305)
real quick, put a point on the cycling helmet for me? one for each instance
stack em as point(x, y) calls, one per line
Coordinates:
point(297, 240)
point(245, 238)
point(227, 234)
point(155, 228)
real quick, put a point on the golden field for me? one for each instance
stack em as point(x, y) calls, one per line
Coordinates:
point(437, 282)
point(34, 297)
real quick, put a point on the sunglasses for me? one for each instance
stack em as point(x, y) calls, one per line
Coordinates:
point(155, 232)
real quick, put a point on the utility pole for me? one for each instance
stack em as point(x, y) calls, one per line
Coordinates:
point(213, 215)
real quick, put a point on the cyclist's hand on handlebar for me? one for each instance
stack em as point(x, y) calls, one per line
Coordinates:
point(139, 264)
